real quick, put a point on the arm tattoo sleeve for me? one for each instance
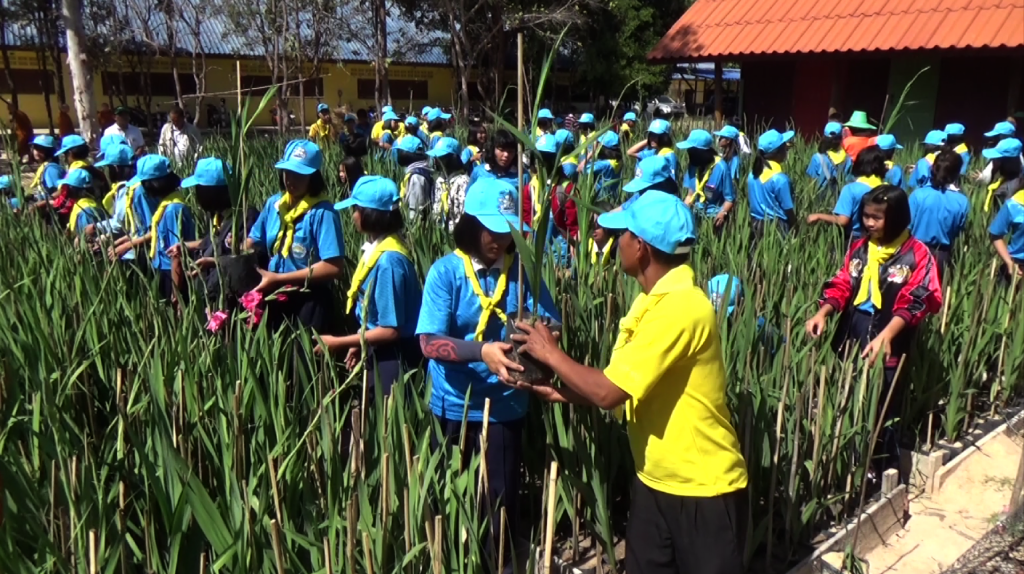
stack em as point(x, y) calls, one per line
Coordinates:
point(450, 349)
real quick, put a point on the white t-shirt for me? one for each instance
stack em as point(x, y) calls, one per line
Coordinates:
point(132, 134)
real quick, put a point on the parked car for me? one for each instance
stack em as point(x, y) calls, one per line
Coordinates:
point(666, 106)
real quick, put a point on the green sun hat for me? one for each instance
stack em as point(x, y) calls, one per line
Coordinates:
point(859, 120)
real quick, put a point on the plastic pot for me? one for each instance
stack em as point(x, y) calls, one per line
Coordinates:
point(533, 371)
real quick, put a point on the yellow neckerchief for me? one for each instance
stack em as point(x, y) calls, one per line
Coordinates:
point(771, 169)
point(535, 194)
point(665, 151)
point(540, 132)
point(129, 211)
point(889, 165)
point(877, 256)
point(961, 149)
point(433, 135)
point(1019, 197)
point(698, 193)
point(170, 199)
point(473, 149)
point(110, 199)
point(615, 165)
point(293, 212)
point(323, 129)
point(836, 157)
point(605, 255)
point(78, 164)
point(931, 157)
point(368, 261)
point(991, 192)
point(38, 179)
point(625, 129)
point(487, 304)
point(80, 206)
point(871, 181)
point(584, 138)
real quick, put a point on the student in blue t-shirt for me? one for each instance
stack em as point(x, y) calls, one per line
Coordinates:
point(385, 287)
point(938, 211)
point(653, 173)
point(729, 290)
point(390, 124)
point(658, 142)
point(606, 168)
point(44, 149)
point(708, 180)
point(301, 233)
point(869, 169)
point(412, 128)
point(955, 142)
point(476, 143)
point(729, 148)
point(1010, 221)
point(172, 223)
point(467, 297)
point(894, 173)
point(933, 144)
point(768, 187)
point(86, 211)
point(830, 167)
point(501, 162)
point(139, 208)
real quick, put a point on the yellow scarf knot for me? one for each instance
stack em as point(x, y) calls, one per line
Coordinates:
point(368, 261)
point(871, 181)
point(991, 193)
point(961, 149)
point(836, 157)
point(38, 179)
point(605, 255)
point(110, 199)
point(80, 206)
point(487, 304)
point(129, 212)
point(170, 199)
point(698, 193)
point(877, 256)
point(290, 212)
point(770, 170)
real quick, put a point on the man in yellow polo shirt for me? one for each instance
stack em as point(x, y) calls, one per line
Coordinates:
point(688, 511)
point(378, 128)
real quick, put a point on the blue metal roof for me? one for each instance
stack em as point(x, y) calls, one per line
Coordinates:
point(407, 44)
point(704, 70)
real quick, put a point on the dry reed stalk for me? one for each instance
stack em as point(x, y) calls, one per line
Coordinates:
point(549, 533)
point(275, 539)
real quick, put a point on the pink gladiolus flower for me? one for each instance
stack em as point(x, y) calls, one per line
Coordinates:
point(216, 321)
point(255, 316)
point(251, 300)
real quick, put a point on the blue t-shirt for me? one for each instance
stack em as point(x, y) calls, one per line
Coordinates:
point(849, 204)
point(823, 170)
point(87, 217)
point(176, 226)
point(143, 207)
point(717, 190)
point(606, 176)
point(966, 157)
point(734, 167)
point(937, 217)
point(451, 308)
point(1010, 221)
point(895, 175)
point(317, 236)
point(673, 160)
point(387, 138)
point(396, 295)
point(51, 175)
point(483, 171)
point(770, 194)
point(922, 174)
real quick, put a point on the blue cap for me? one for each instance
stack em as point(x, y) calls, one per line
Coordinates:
point(1002, 129)
point(426, 111)
point(659, 126)
point(71, 141)
point(412, 121)
point(699, 139)
point(609, 140)
point(493, 202)
point(48, 142)
point(410, 143)
point(445, 146)
point(111, 140)
point(717, 287)
point(547, 143)
point(587, 118)
point(323, 108)
point(389, 115)
point(565, 139)
point(1009, 147)
point(887, 142)
point(209, 172)
point(729, 132)
point(662, 220)
point(629, 117)
point(650, 171)
point(545, 114)
point(438, 113)
point(77, 178)
point(570, 168)
point(350, 117)
point(149, 167)
point(935, 137)
point(301, 156)
point(387, 109)
point(5, 182)
point(954, 129)
point(833, 129)
point(117, 154)
point(772, 140)
point(373, 192)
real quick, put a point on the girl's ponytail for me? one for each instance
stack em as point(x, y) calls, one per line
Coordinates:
point(759, 163)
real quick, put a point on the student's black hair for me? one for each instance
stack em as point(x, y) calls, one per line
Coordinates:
point(450, 163)
point(378, 222)
point(502, 139)
point(48, 152)
point(585, 126)
point(931, 148)
point(870, 162)
point(829, 143)
point(835, 117)
point(438, 125)
point(667, 185)
point(761, 160)
point(549, 160)
point(99, 179)
point(661, 141)
point(317, 185)
point(953, 140)
point(609, 153)
point(544, 124)
point(897, 209)
point(466, 236)
point(946, 169)
point(603, 206)
point(213, 198)
point(120, 173)
point(670, 259)
point(353, 170)
point(407, 158)
point(80, 152)
point(474, 133)
point(162, 186)
point(361, 113)
point(1007, 167)
point(734, 121)
point(701, 157)
point(889, 154)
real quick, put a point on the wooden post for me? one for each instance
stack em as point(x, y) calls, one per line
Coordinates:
point(719, 107)
point(519, 158)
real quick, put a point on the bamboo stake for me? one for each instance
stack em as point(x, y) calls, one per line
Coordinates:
point(501, 540)
point(121, 527)
point(428, 528)
point(356, 439)
point(408, 527)
point(93, 566)
point(202, 564)
point(327, 556)
point(439, 542)
point(816, 456)
point(275, 539)
point(945, 309)
point(385, 497)
point(519, 159)
point(775, 467)
point(350, 534)
point(482, 484)
point(273, 487)
point(549, 534)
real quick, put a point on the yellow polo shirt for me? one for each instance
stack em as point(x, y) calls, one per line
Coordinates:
point(378, 131)
point(321, 130)
point(668, 357)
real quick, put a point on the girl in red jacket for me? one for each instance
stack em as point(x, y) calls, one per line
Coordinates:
point(888, 284)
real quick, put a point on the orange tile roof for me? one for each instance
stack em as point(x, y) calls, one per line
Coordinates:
point(731, 28)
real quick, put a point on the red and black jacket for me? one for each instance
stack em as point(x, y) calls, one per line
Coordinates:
point(909, 283)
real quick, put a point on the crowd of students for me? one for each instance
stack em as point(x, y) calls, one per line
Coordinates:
point(689, 501)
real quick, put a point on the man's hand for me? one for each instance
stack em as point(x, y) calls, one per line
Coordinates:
point(538, 341)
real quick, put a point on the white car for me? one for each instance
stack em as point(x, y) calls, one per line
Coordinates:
point(666, 106)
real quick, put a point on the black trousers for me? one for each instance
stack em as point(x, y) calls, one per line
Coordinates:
point(669, 534)
point(504, 457)
point(165, 285)
point(942, 255)
point(313, 309)
point(387, 362)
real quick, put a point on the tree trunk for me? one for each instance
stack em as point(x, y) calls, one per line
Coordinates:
point(5, 55)
point(81, 73)
point(41, 59)
point(380, 22)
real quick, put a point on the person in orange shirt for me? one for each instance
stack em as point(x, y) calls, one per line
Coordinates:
point(105, 116)
point(861, 134)
point(64, 123)
point(22, 129)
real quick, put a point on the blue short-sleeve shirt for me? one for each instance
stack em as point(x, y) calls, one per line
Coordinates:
point(176, 226)
point(717, 190)
point(849, 204)
point(922, 174)
point(87, 217)
point(894, 176)
point(673, 160)
point(606, 177)
point(396, 296)
point(483, 171)
point(317, 238)
point(51, 175)
point(1010, 221)
point(451, 308)
point(770, 194)
point(937, 217)
point(143, 207)
point(822, 169)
